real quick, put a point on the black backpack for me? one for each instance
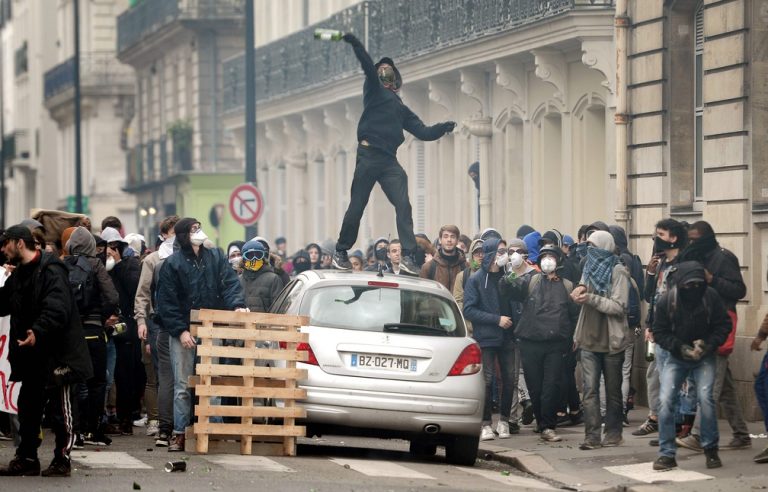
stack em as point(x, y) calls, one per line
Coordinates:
point(636, 284)
point(82, 281)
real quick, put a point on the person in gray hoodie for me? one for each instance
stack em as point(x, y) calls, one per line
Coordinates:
point(602, 334)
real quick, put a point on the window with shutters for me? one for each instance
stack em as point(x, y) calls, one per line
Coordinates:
point(698, 96)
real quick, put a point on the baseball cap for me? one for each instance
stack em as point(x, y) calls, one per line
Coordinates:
point(17, 232)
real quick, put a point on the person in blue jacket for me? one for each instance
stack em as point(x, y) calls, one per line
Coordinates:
point(195, 277)
point(483, 307)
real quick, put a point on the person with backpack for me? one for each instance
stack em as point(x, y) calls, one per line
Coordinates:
point(448, 260)
point(47, 353)
point(98, 305)
point(689, 324)
point(602, 335)
point(129, 372)
point(476, 259)
point(544, 333)
point(151, 332)
point(723, 273)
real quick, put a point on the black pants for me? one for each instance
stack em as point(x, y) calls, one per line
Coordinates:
point(505, 356)
point(33, 396)
point(93, 392)
point(164, 383)
point(543, 367)
point(129, 378)
point(374, 166)
point(569, 399)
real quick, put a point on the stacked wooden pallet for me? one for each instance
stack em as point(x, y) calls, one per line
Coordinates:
point(265, 394)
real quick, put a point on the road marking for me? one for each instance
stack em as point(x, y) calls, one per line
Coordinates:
point(512, 480)
point(644, 472)
point(374, 468)
point(108, 459)
point(250, 463)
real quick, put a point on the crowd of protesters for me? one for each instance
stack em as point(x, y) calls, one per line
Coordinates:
point(101, 324)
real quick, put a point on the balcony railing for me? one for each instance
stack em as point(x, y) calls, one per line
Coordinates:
point(150, 16)
point(96, 69)
point(154, 161)
point(401, 29)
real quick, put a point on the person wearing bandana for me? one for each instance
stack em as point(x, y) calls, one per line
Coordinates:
point(261, 285)
point(379, 134)
point(690, 323)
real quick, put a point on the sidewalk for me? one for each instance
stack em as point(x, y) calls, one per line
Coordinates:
point(628, 467)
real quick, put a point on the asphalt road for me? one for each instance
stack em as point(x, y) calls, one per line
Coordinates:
point(326, 464)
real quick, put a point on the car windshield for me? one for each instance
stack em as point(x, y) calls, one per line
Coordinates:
point(366, 308)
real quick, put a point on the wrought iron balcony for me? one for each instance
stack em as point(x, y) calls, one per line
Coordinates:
point(97, 69)
point(401, 29)
point(150, 16)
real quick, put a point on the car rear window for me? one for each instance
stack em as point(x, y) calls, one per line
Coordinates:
point(368, 308)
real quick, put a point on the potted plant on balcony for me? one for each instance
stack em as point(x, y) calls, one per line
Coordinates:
point(180, 132)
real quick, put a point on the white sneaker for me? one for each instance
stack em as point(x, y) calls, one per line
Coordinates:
point(502, 429)
point(141, 422)
point(487, 433)
point(153, 427)
point(550, 435)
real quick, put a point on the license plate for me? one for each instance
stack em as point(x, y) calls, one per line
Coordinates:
point(386, 362)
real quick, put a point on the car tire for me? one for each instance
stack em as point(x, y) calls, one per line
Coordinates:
point(462, 450)
point(422, 448)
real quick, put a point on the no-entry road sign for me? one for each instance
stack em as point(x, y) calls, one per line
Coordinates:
point(246, 204)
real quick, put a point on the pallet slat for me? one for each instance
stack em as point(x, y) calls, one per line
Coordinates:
point(252, 353)
point(279, 321)
point(256, 372)
point(250, 430)
point(243, 392)
point(243, 334)
point(257, 411)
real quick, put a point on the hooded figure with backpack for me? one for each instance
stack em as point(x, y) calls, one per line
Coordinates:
point(544, 332)
point(690, 323)
point(379, 134)
point(475, 260)
point(98, 303)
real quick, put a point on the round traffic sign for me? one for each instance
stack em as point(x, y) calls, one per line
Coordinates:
point(246, 204)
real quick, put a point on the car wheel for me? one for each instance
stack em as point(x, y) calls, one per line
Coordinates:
point(462, 450)
point(421, 448)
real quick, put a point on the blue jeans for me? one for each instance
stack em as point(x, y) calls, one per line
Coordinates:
point(673, 373)
point(761, 388)
point(111, 362)
point(183, 364)
point(594, 365)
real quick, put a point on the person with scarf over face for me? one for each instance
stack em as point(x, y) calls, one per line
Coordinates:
point(602, 334)
point(723, 273)
point(482, 306)
point(301, 262)
point(196, 277)
point(690, 323)
point(235, 255)
point(261, 285)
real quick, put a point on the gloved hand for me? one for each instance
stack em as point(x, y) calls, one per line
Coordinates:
point(701, 347)
point(448, 126)
point(350, 38)
point(690, 353)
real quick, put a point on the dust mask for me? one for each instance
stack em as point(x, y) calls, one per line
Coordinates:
point(516, 260)
point(198, 238)
point(548, 264)
point(502, 260)
point(110, 263)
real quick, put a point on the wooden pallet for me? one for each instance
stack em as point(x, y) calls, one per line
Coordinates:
point(248, 381)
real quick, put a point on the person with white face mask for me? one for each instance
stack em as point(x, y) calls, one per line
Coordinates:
point(196, 277)
point(544, 333)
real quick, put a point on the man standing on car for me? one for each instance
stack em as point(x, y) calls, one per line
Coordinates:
point(379, 134)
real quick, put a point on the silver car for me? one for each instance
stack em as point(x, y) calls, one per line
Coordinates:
point(389, 356)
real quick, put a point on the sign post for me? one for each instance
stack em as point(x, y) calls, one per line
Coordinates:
point(246, 204)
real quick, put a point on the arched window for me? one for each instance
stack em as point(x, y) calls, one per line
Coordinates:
point(698, 69)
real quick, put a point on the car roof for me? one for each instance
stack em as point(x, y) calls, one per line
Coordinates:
point(348, 277)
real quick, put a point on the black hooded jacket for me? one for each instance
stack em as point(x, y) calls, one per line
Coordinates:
point(384, 115)
point(37, 296)
point(724, 267)
point(675, 325)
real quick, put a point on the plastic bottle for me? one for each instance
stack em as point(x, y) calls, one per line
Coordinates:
point(328, 34)
point(650, 351)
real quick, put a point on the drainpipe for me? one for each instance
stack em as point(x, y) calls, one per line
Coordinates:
point(621, 36)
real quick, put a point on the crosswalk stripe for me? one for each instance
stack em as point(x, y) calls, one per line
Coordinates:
point(374, 468)
point(512, 480)
point(249, 463)
point(108, 459)
point(644, 472)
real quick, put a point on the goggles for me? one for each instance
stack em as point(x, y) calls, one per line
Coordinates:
point(254, 255)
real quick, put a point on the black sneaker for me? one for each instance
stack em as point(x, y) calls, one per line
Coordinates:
point(647, 427)
point(59, 467)
point(408, 266)
point(341, 260)
point(713, 460)
point(79, 444)
point(737, 443)
point(577, 418)
point(664, 463)
point(21, 467)
point(762, 457)
point(514, 428)
point(654, 443)
point(97, 439)
point(163, 440)
point(527, 418)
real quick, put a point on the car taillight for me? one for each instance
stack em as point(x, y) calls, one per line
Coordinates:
point(311, 359)
point(469, 361)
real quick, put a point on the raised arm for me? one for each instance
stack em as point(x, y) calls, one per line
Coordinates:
point(365, 59)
